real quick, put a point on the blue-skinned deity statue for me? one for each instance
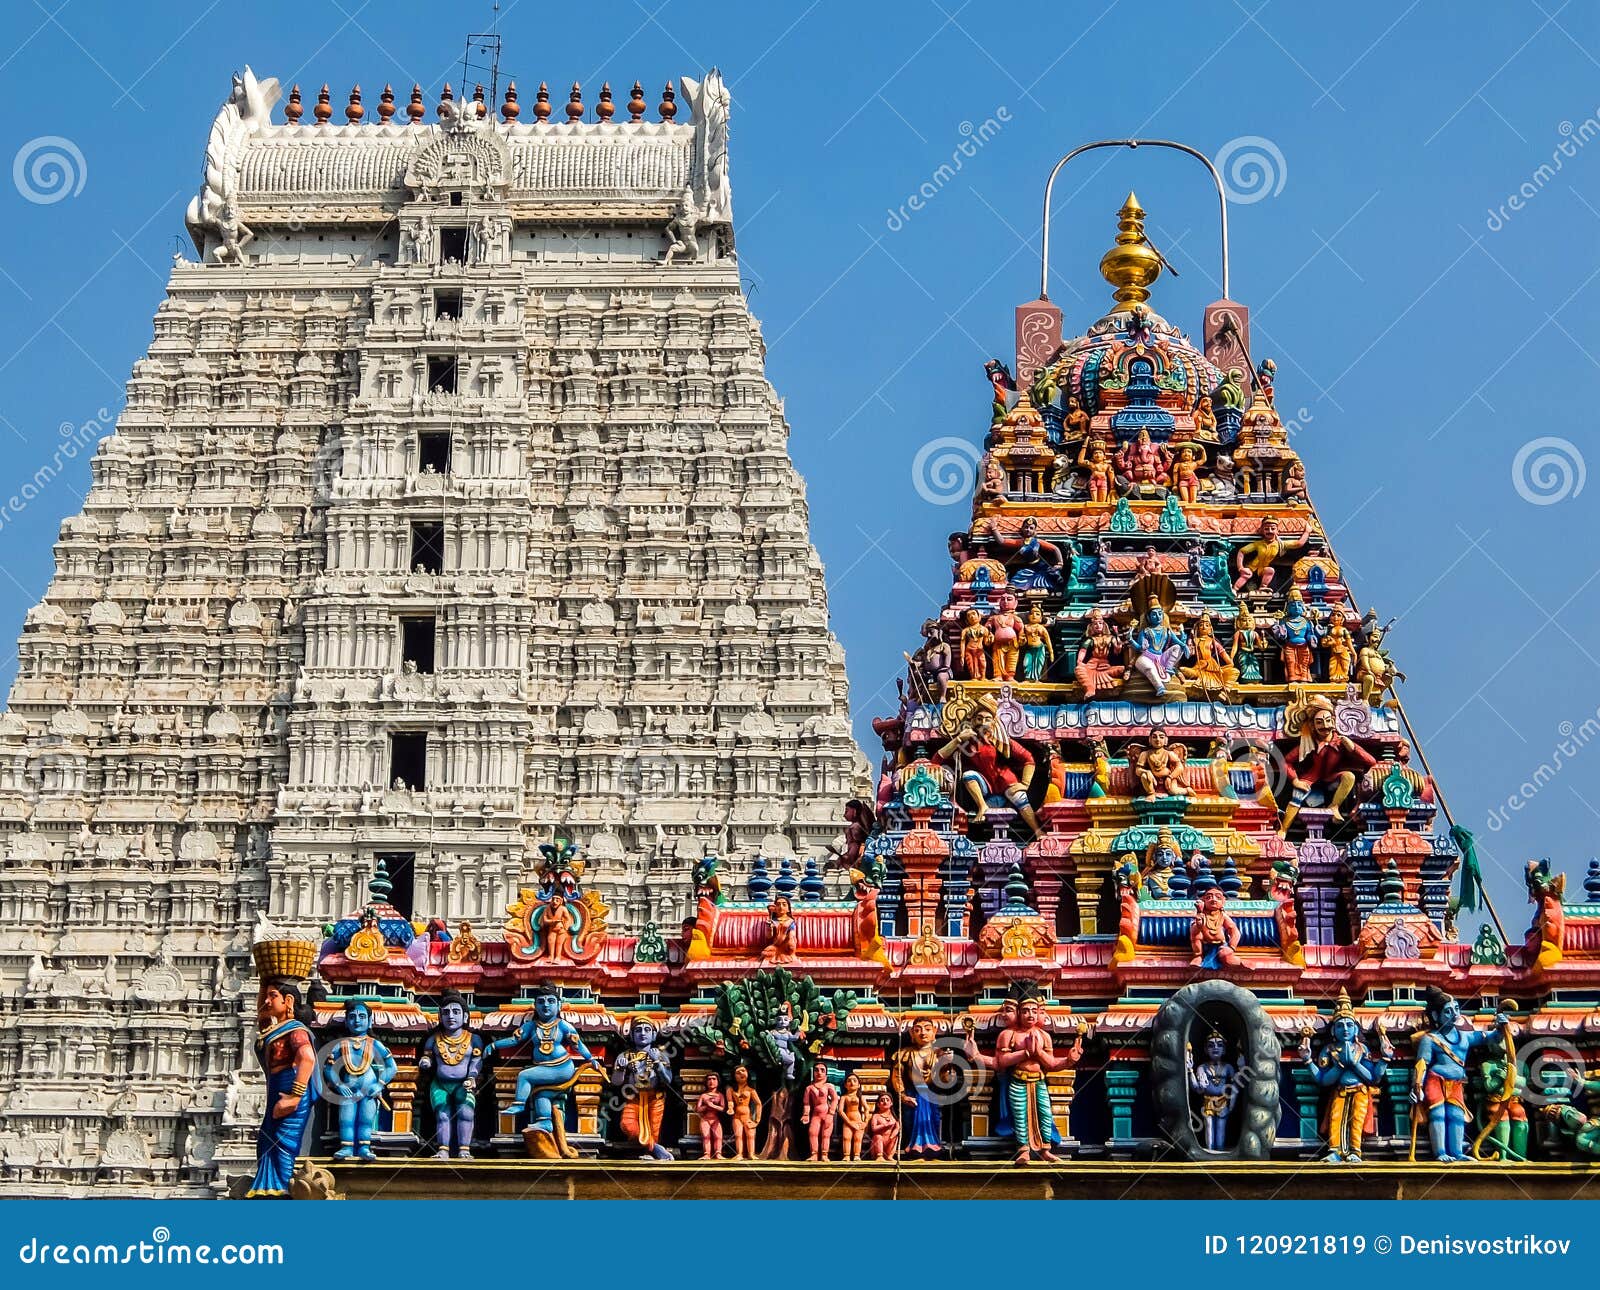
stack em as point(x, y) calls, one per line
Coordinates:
point(1353, 1074)
point(354, 1073)
point(1439, 1077)
point(544, 1084)
point(1214, 1080)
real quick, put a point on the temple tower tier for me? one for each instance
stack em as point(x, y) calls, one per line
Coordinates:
point(451, 506)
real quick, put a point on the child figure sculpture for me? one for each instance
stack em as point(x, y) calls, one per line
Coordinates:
point(853, 1117)
point(358, 1069)
point(710, 1107)
point(883, 1130)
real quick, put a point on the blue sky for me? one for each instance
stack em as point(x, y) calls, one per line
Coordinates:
point(1435, 339)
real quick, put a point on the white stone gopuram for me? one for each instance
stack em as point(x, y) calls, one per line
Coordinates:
point(450, 508)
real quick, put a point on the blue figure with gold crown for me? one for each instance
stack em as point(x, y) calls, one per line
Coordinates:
point(356, 1070)
point(543, 1085)
point(1353, 1073)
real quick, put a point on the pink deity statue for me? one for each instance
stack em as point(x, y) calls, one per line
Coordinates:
point(1145, 465)
point(883, 1130)
point(817, 1111)
point(710, 1107)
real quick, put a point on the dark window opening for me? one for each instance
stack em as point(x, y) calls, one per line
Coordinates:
point(408, 759)
point(456, 197)
point(433, 451)
point(447, 304)
point(453, 245)
point(442, 375)
point(416, 642)
point(402, 867)
point(427, 546)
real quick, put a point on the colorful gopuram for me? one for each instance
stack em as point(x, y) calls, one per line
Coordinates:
point(1151, 881)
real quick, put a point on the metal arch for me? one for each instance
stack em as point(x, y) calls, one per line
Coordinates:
point(1049, 188)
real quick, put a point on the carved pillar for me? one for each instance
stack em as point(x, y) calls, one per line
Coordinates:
point(402, 1096)
point(981, 1108)
point(1307, 1097)
point(921, 853)
point(691, 1083)
point(1398, 1081)
point(1122, 1083)
point(1062, 1086)
point(586, 1095)
point(505, 1088)
point(1038, 338)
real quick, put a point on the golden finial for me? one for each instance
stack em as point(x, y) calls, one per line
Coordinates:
point(1132, 264)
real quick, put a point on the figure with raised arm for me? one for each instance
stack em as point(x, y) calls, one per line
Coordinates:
point(1439, 1076)
point(745, 1105)
point(642, 1074)
point(1215, 1081)
point(544, 1084)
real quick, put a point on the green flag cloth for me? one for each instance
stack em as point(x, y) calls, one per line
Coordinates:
point(1471, 871)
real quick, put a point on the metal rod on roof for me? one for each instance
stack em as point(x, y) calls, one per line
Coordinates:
point(1049, 189)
